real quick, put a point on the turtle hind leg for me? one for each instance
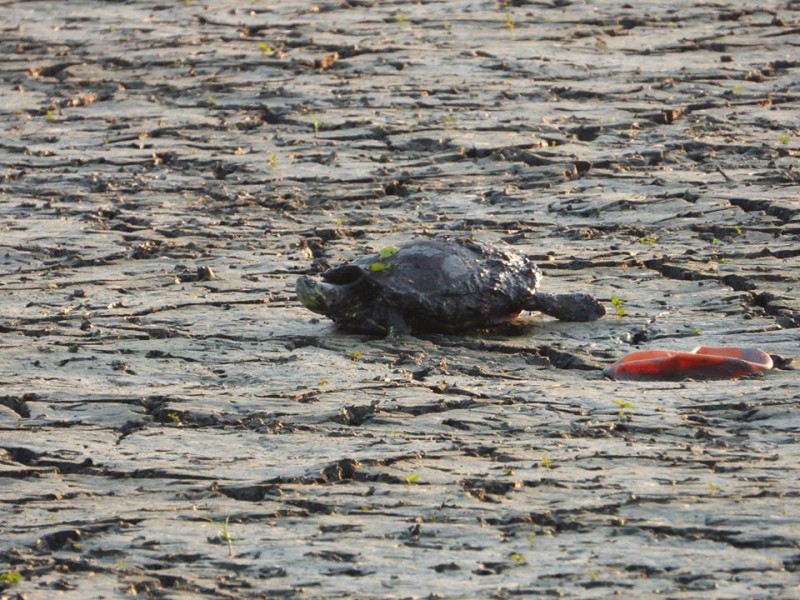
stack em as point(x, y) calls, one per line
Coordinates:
point(568, 307)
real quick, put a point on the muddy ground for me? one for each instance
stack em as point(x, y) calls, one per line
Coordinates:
point(175, 425)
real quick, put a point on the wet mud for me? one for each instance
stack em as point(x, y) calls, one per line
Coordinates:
point(174, 424)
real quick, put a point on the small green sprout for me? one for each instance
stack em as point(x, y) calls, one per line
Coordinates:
point(619, 305)
point(716, 241)
point(225, 536)
point(784, 138)
point(10, 577)
point(212, 101)
point(355, 355)
point(51, 116)
point(623, 404)
point(553, 143)
point(649, 239)
point(697, 331)
point(339, 221)
point(378, 266)
point(713, 490)
point(265, 48)
point(322, 382)
point(737, 89)
point(315, 124)
point(77, 546)
point(273, 161)
point(388, 251)
point(594, 574)
point(412, 479)
point(738, 229)
point(401, 19)
point(174, 417)
point(509, 21)
point(448, 120)
point(508, 471)
point(546, 462)
point(518, 558)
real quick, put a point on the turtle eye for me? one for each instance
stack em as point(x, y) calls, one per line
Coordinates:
point(344, 275)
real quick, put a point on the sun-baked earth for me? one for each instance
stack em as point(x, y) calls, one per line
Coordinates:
point(175, 424)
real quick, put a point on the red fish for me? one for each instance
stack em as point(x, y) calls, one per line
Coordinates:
point(702, 363)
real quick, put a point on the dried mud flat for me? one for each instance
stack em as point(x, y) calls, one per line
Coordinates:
point(175, 425)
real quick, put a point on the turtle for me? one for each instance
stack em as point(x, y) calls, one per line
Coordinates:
point(439, 285)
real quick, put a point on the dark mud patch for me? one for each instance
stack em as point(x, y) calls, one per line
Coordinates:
point(174, 423)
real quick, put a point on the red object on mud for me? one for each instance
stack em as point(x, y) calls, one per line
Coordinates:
point(702, 363)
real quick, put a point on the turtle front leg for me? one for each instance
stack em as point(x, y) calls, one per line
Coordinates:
point(382, 320)
point(577, 306)
point(397, 326)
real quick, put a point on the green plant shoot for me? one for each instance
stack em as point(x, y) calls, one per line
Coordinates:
point(623, 405)
point(225, 535)
point(10, 577)
point(388, 251)
point(619, 305)
point(378, 266)
point(509, 20)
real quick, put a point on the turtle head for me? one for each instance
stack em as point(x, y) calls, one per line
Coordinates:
point(347, 296)
point(315, 295)
point(337, 295)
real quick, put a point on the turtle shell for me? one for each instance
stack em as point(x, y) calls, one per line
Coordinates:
point(427, 285)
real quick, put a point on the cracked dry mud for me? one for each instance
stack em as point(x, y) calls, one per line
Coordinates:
point(175, 425)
